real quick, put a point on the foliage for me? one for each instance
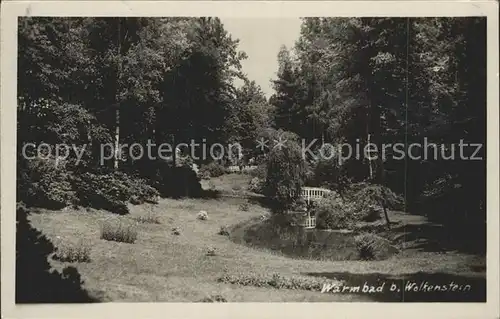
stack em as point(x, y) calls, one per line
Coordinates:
point(214, 298)
point(260, 171)
point(367, 199)
point(212, 169)
point(150, 218)
point(45, 183)
point(118, 232)
point(73, 253)
point(143, 192)
point(224, 231)
point(331, 214)
point(172, 181)
point(202, 215)
point(103, 191)
point(245, 207)
point(285, 172)
point(372, 246)
point(256, 185)
point(344, 80)
point(276, 281)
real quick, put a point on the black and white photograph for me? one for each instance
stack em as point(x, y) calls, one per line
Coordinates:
point(219, 159)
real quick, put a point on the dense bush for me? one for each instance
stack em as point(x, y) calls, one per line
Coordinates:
point(50, 183)
point(44, 183)
point(256, 185)
point(368, 200)
point(331, 214)
point(140, 189)
point(285, 172)
point(371, 246)
point(212, 169)
point(173, 181)
point(260, 171)
point(103, 191)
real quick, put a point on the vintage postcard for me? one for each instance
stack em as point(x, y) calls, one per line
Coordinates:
point(244, 159)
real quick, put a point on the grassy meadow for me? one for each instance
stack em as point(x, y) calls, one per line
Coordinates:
point(179, 258)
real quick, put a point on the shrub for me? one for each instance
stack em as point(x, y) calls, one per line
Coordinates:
point(172, 181)
point(260, 171)
point(119, 233)
point(368, 199)
point(141, 191)
point(245, 207)
point(278, 281)
point(45, 183)
point(212, 169)
point(176, 231)
point(150, 218)
point(211, 251)
point(224, 231)
point(73, 253)
point(330, 214)
point(215, 298)
point(103, 191)
point(202, 215)
point(256, 185)
point(371, 246)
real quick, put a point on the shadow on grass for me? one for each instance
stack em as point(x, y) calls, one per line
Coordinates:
point(437, 238)
point(36, 282)
point(417, 287)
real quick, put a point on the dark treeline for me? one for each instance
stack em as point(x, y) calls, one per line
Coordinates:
point(395, 80)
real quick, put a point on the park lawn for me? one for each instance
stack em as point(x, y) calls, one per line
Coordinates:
point(161, 266)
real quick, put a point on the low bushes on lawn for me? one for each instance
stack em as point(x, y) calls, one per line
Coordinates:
point(214, 298)
point(277, 281)
point(150, 218)
point(73, 253)
point(224, 231)
point(118, 232)
point(256, 185)
point(245, 207)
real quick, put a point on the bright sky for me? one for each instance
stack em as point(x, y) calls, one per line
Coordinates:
point(261, 39)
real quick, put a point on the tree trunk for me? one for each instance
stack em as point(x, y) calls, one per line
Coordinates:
point(370, 164)
point(174, 154)
point(117, 137)
point(117, 153)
